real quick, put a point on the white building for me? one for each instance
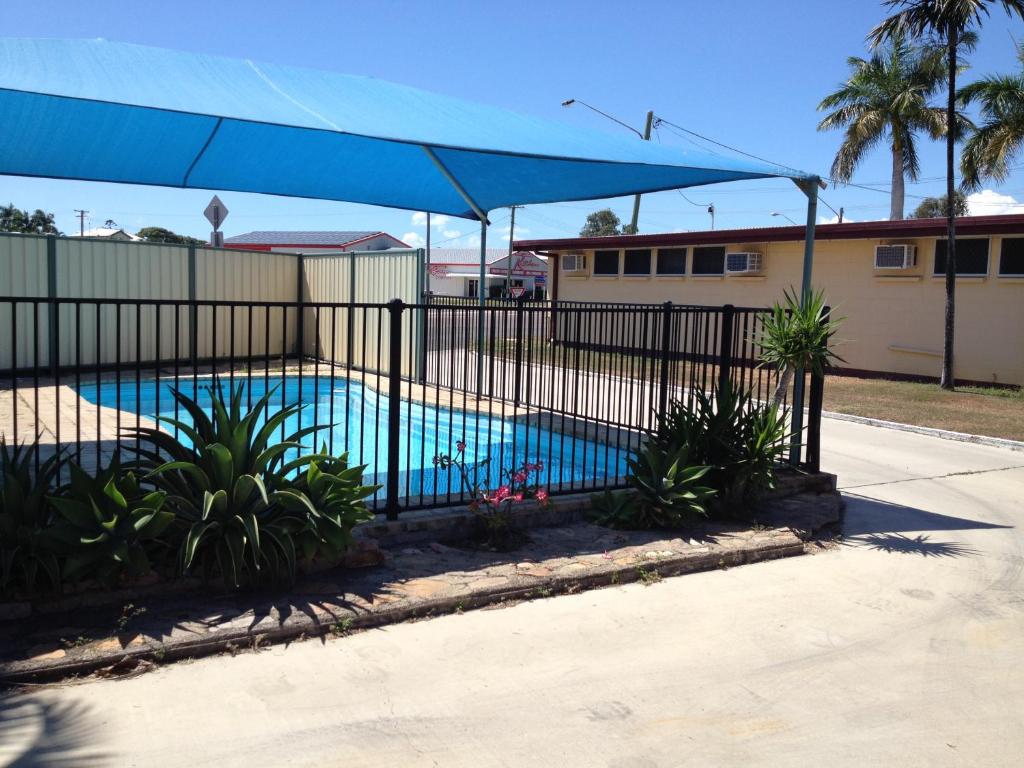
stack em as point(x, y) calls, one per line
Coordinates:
point(109, 233)
point(456, 272)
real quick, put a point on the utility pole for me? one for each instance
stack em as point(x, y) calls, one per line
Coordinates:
point(636, 200)
point(81, 221)
point(711, 210)
point(508, 264)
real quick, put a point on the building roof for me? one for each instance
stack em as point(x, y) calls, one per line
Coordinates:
point(106, 232)
point(858, 230)
point(303, 237)
point(465, 256)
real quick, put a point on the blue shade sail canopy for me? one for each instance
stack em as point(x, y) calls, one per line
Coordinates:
point(103, 111)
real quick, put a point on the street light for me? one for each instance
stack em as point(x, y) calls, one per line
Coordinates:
point(776, 213)
point(646, 136)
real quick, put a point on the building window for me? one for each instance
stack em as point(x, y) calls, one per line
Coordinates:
point(971, 256)
point(606, 262)
point(709, 260)
point(637, 262)
point(671, 261)
point(1011, 257)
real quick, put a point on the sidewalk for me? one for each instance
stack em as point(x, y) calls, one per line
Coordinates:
point(413, 582)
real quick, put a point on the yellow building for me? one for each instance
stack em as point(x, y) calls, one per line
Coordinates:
point(886, 278)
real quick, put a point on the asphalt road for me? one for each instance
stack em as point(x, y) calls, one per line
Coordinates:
point(905, 645)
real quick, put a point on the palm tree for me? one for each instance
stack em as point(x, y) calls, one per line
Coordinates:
point(949, 23)
point(886, 97)
point(989, 149)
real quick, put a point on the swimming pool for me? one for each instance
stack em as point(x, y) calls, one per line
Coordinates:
point(360, 415)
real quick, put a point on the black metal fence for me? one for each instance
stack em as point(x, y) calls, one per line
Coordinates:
point(569, 388)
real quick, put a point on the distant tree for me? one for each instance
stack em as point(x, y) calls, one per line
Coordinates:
point(603, 223)
point(161, 235)
point(39, 222)
point(952, 24)
point(110, 224)
point(1000, 138)
point(935, 207)
point(886, 98)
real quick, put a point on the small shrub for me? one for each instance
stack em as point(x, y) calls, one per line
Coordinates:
point(667, 492)
point(107, 525)
point(28, 562)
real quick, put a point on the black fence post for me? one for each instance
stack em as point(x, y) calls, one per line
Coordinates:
point(666, 353)
point(395, 308)
point(725, 348)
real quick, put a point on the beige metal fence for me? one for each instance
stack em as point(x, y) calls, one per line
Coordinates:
point(95, 268)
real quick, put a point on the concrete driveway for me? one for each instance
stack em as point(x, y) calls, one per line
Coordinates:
point(903, 646)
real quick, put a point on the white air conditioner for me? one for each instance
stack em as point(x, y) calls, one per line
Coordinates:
point(743, 263)
point(895, 256)
point(574, 262)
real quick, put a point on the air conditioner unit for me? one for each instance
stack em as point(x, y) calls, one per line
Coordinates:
point(895, 256)
point(743, 263)
point(574, 262)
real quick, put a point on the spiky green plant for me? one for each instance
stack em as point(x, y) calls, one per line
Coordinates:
point(107, 524)
point(797, 335)
point(28, 563)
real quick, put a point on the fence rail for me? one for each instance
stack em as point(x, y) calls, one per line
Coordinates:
point(570, 386)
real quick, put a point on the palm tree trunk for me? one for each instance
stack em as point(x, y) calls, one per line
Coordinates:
point(946, 381)
point(783, 386)
point(896, 197)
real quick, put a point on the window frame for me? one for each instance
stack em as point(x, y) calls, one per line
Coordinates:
point(650, 261)
point(657, 261)
point(1002, 245)
point(693, 261)
point(988, 258)
point(618, 262)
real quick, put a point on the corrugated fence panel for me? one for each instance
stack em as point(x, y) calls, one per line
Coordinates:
point(235, 275)
point(114, 269)
point(370, 277)
point(22, 273)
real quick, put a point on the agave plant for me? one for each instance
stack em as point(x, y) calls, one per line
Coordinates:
point(28, 563)
point(230, 487)
point(337, 495)
point(107, 524)
point(796, 335)
point(740, 439)
point(667, 492)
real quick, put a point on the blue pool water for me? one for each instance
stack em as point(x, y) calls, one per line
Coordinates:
point(360, 415)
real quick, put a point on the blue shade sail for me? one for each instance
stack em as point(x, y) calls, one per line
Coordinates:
point(104, 111)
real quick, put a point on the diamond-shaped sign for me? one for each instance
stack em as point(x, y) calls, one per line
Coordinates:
point(216, 212)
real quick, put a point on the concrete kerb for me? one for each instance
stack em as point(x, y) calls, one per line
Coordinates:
point(767, 546)
point(944, 434)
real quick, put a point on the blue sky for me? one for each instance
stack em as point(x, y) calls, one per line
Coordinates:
point(745, 72)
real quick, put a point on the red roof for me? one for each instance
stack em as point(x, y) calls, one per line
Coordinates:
point(868, 230)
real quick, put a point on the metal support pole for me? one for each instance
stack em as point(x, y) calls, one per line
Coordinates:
point(395, 307)
point(51, 292)
point(508, 264)
point(193, 314)
point(666, 347)
point(636, 200)
point(480, 313)
point(300, 300)
point(421, 319)
point(725, 348)
point(809, 188)
point(426, 285)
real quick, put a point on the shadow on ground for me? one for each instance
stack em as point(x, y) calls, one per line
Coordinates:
point(882, 526)
point(35, 733)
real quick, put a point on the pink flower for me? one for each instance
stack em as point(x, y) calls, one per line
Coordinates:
point(437, 460)
point(502, 493)
point(539, 466)
point(517, 497)
point(542, 496)
point(519, 477)
point(460, 445)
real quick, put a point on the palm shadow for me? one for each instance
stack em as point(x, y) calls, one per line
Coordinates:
point(36, 733)
point(899, 529)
